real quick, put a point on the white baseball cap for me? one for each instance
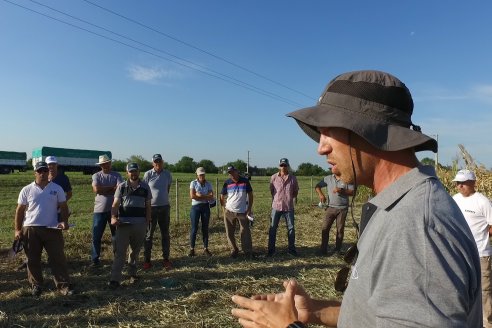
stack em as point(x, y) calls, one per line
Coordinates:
point(51, 159)
point(464, 175)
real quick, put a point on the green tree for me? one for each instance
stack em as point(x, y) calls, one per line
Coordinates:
point(185, 165)
point(308, 169)
point(428, 161)
point(118, 165)
point(208, 165)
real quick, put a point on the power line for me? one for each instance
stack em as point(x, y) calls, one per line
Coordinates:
point(199, 49)
point(215, 74)
point(262, 91)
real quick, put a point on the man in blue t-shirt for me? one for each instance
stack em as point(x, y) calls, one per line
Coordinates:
point(237, 201)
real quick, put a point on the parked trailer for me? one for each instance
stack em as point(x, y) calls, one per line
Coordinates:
point(71, 159)
point(12, 160)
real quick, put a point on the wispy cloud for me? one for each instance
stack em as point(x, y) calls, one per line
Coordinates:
point(482, 92)
point(152, 74)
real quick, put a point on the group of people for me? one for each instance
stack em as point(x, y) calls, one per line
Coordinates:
point(422, 258)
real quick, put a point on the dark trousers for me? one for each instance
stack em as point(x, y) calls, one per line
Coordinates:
point(161, 215)
point(332, 214)
point(99, 222)
point(37, 238)
point(199, 211)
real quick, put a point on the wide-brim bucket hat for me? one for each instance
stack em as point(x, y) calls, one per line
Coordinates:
point(372, 104)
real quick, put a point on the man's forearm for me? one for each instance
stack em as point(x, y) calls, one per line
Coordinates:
point(324, 312)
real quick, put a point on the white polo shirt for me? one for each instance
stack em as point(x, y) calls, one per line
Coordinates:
point(477, 211)
point(42, 204)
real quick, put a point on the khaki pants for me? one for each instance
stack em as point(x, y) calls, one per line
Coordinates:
point(486, 291)
point(132, 235)
point(230, 220)
point(37, 238)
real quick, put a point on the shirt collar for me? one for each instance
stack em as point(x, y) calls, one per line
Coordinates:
point(404, 184)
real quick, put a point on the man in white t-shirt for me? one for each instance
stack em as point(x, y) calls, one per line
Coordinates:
point(477, 210)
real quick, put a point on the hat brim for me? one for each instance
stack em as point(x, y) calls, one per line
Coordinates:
point(108, 161)
point(379, 134)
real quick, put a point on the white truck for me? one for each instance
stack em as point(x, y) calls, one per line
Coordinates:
point(12, 160)
point(71, 159)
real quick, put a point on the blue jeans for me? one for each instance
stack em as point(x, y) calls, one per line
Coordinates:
point(291, 232)
point(161, 215)
point(197, 211)
point(99, 222)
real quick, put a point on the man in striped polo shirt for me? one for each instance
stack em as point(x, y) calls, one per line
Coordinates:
point(237, 200)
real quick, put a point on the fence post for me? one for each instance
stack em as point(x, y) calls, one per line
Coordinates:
point(177, 200)
point(312, 189)
point(217, 196)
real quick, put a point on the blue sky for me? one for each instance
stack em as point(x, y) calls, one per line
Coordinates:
point(66, 87)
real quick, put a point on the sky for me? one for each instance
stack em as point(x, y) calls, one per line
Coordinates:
point(215, 79)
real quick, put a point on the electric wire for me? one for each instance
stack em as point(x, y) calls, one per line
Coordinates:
point(198, 49)
point(241, 84)
point(167, 53)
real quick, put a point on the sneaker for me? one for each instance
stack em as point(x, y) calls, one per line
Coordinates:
point(191, 252)
point(95, 264)
point(67, 291)
point(134, 279)
point(207, 252)
point(167, 265)
point(113, 284)
point(147, 265)
point(234, 253)
point(36, 291)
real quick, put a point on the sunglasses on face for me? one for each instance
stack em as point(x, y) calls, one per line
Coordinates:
point(341, 281)
point(40, 171)
point(283, 165)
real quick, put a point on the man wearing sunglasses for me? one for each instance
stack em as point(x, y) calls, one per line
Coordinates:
point(477, 210)
point(38, 225)
point(417, 263)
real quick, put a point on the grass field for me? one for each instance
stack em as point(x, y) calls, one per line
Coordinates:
point(195, 294)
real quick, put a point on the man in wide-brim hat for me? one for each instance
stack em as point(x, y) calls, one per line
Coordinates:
point(417, 264)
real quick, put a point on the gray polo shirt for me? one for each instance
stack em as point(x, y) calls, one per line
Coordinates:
point(132, 202)
point(159, 184)
point(103, 203)
point(418, 264)
point(336, 200)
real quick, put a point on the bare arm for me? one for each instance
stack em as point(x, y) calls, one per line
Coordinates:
point(20, 212)
point(104, 190)
point(280, 310)
point(114, 211)
point(68, 195)
point(63, 215)
point(322, 197)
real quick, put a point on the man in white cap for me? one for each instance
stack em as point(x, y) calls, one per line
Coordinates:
point(104, 185)
point(417, 263)
point(58, 176)
point(477, 210)
point(38, 225)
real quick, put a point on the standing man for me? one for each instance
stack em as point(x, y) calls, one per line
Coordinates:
point(130, 214)
point(104, 185)
point(159, 181)
point(284, 189)
point(477, 210)
point(417, 263)
point(37, 224)
point(58, 176)
point(338, 193)
point(239, 194)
